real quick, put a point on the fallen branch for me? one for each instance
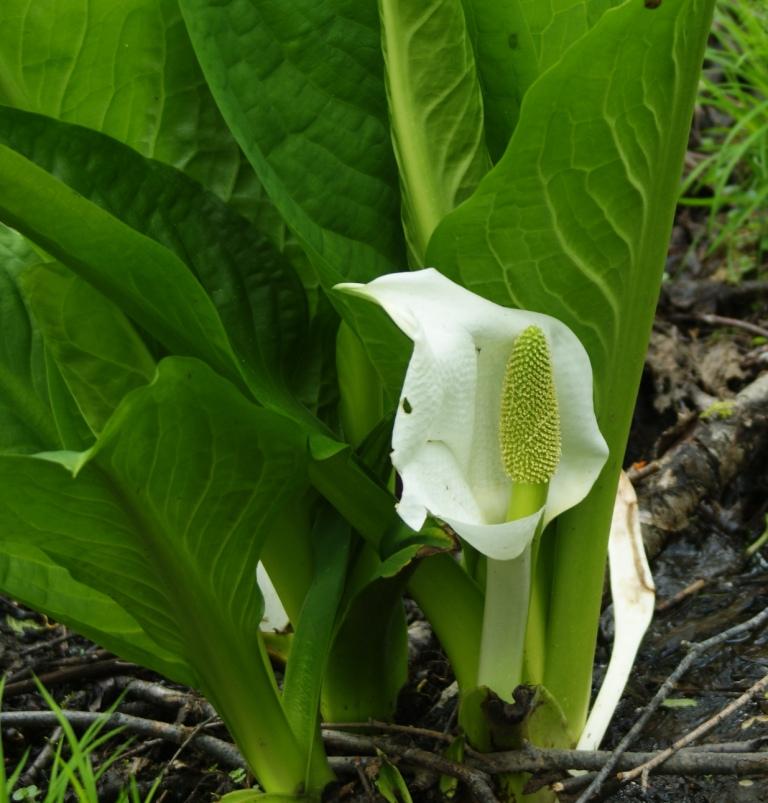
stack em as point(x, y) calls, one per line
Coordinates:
point(86, 669)
point(220, 750)
point(476, 774)
point(696, 733)
point(695, 650)
point(477, 780)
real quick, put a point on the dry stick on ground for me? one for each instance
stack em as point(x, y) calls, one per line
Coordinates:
point(390, 727)
point(88, 669)
point(475, 774)
point(737, 758)
point(666, 688)
point(477, 780)
point(721, 320)
point(222, 751)
point(645, 768)
point(683, 594)
point(51, 642)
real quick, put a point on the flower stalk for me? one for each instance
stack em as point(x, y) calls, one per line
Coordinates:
point(530, 447)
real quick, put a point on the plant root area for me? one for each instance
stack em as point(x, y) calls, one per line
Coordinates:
point(698, 458)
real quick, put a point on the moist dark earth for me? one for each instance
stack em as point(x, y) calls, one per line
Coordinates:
point(707, 347)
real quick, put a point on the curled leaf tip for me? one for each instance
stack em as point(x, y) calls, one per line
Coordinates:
point(529, 430)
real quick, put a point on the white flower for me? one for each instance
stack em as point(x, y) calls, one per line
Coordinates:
point(445, 443)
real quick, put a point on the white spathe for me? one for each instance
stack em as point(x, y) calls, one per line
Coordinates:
point(445, 443)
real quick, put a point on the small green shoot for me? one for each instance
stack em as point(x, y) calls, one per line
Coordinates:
point(390, 783)
point(758, 542)
point(719, 410)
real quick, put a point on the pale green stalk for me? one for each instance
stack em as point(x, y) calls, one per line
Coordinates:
point(507, 598)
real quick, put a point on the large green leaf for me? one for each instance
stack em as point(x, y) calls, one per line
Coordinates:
point(99, 353)
point(28, 575)
point(256, 293)
point(167, 515)
point(126, 69)
point(301, 87)
point(435, 111)
point(151, 284)
point(26, 422)
point(574, 221)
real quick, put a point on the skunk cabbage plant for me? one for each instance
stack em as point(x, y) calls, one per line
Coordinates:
point(185, 396)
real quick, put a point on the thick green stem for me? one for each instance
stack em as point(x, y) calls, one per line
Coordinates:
point(577, 588)
point(507, 596)
point(241, 687)
point(361, 404)
point(368, 507)
point(368, 663)
point(536, 631)
point(453, 604)
point(507, 591)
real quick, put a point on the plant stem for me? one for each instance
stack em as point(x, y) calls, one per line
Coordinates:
point(536, 630)
point(577, 586)
point(453, 605)
point(507, 597)
point(507, 592)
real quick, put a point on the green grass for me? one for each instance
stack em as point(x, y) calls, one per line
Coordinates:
point(730, 176)
point(72, 774)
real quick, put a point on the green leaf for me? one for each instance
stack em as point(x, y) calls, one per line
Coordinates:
point(167, 515)
point(368, 663)
point(435, 110)
point(29, 576)
point(312, 641)
point(258, 297)
point(26, 423)
point(301, 88)
point(554, 26)
point(390, 782)
point(514, 42)
point(126, 69)
point(114, 257)
point(149, 282)
point(98, 352)
point(74, 432)
point(507, 64)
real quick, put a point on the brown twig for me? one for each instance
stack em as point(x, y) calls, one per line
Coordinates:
point(476, 779)
point(390, 727)
point(684, 593)
point(162, 695)
point(666, 688)
point(691, 761)
point(82, 670)
point(223, 752)
point(637, 474)
point(51, 642)
point(646, 767)
point(722, 320)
